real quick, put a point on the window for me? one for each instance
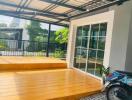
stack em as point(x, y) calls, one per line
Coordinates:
point(89, 50)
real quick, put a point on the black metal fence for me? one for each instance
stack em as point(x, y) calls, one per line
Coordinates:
point(9, 47)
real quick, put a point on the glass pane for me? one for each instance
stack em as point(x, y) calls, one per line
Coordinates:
point(101, 44)
point(76, 62)
point(85, 30)
point(94, 30)
point(99, 61)
point(84, 42)
point(93, 42)
point(83, 53)
point(77, 52)
point(96, 43)
point(92, 55)
point(100, 55)
point(98, 70)
point(90, 67)
point(103, 29)
point(78, 41)
point(82, 64)
point(79, 31)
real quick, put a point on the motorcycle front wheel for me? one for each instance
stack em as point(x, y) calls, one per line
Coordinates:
point(117, 93)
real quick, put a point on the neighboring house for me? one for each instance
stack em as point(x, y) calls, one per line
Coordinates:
point(20, 23)
point(101, 39)
point(13, 33)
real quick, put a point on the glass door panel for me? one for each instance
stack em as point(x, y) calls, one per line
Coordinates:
point(90, 45)
point(86, 30)
point(90, 67)
point(103, 29)
point(94, 30)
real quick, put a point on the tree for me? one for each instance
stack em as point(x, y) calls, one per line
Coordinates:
point(34, 30)
point(36, 33)
point(62, 35)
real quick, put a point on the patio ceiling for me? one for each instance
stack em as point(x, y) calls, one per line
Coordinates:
point(57, 12)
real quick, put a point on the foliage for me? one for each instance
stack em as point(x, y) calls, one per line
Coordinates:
point(59, 53)
point(3, 45)
point(62, 35)
point(105, 70)
point(34, 30)
point(40, 39)
point(36, 33)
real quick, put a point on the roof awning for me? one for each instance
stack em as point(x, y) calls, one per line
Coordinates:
point(57, 12)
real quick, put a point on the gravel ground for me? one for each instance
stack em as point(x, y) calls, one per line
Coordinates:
point(100, 96)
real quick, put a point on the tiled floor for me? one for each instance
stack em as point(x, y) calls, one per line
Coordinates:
point(99, 96)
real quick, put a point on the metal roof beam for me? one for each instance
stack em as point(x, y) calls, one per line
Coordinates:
point(35, 19)
point(29, 13)
point(64, 5)
point(31, 9)
point(115, 2)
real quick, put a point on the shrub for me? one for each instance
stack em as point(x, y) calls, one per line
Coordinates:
point(59, 53)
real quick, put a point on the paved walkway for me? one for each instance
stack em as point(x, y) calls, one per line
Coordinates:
point(100, 96)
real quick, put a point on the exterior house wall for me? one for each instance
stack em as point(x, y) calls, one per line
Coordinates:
point(23, 25)
point(120, 36)
point(118, 45)
point(94, 19)
point(128, 65)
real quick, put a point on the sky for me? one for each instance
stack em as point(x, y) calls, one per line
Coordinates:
point(7, 20)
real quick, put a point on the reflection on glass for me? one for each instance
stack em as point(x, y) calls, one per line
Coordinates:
point(78, 42)
point(103, 29)
point(76, 62)
point(90, 67)
point(89, 52)
point(79, 31)
point(92, 55)
point(83, 53)
point(100, 55)
point(95, 30)
point(77, 52)
point(82, 64)
point(85, 30)
point(93, 42)
point(98, 70)
point(84, 42)
point(99, 61)
point(101, 43)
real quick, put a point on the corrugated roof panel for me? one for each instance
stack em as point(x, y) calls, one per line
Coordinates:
point(46, 18)
point(39, 4)
point(60, 9)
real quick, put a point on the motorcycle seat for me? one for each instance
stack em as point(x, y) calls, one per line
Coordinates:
point(125, 72)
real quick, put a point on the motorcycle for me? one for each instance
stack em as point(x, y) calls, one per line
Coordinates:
point(118, 85)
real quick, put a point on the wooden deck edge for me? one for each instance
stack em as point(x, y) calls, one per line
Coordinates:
point(32, 66)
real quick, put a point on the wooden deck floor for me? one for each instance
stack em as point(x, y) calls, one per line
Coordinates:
point(30, 63)
point(60, 84)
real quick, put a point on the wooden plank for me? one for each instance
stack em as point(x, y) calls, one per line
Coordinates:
point(30, 63)
point(59, 84)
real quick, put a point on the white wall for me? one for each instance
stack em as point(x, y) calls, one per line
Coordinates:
point(128, 64)
point(23, 24)
point(120, 36)
point(94, 19)
point(118, 48)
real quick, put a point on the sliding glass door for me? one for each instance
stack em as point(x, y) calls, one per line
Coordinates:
point(89, 48)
